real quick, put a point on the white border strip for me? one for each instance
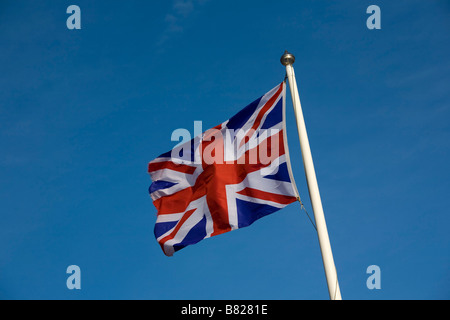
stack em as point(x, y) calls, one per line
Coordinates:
point(286, 148)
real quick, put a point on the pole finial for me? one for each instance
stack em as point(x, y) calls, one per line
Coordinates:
point(287, 58)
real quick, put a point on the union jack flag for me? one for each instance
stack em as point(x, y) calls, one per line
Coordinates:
point(225, 178)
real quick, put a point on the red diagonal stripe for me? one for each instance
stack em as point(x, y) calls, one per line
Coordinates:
point(278, 198)
point(274, 146)
point(261, 114)
point(154, 166)
point(177, 227)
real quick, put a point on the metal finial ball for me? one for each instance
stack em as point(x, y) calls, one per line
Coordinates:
point(287, 58)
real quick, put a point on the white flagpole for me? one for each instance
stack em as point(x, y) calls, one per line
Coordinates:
point(327, 256)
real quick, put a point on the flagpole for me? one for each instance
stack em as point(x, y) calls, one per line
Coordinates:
point(327, 256)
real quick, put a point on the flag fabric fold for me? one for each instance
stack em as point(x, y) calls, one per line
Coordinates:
point(225, 178)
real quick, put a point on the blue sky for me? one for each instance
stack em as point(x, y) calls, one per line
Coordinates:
point(82, 112)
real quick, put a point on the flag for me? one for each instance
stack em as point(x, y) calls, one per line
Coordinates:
point(225, 178)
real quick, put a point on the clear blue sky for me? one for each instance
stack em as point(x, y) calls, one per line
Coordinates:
point(82, 112)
